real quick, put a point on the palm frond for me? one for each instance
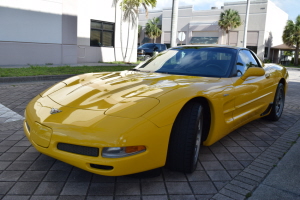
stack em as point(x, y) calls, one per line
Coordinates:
point(229, 19)
point(152, 28)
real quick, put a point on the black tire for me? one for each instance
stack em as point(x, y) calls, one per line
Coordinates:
point(278, 104)
point(185, 139)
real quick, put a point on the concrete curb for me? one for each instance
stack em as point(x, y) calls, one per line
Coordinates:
point(34, 78)
point(292, 69)
point(71, 65)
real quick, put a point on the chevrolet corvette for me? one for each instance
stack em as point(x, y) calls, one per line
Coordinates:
point(157, 114)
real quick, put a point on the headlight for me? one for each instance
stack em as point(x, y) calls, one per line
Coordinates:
point(119, 152)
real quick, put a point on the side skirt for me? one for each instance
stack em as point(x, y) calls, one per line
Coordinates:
point(267, 110)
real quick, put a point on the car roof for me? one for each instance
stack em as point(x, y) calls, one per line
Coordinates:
point(221, 46)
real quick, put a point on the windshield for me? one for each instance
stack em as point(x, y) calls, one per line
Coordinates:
point(194, 61)
point(147, 45)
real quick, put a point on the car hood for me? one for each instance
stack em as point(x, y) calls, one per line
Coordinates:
point(101, 91)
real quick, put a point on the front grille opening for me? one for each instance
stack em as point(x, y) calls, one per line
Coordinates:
point(105, 167)
point(77, 149)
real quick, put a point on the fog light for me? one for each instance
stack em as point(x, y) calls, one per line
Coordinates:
point(119, 152)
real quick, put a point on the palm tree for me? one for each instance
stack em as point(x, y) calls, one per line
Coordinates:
point(144, 3)
point(130, 14)
point(229, 19)
point(130, 8)
point(291, 36)
point(152, 28)
point(115, 5)
point(139, 30)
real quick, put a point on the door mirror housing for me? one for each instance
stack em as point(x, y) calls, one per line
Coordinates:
point(253, 71)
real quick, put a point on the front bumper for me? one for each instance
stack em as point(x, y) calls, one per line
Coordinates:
point(90, 128)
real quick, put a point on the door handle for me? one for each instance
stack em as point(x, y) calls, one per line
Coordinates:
point(267, 75)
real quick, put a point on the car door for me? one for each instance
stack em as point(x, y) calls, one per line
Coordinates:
point(252, 95)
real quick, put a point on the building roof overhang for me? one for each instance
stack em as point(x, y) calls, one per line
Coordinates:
point(284, 47)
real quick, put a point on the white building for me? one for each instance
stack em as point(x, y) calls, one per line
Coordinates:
point(265, 27)
point(63, 32)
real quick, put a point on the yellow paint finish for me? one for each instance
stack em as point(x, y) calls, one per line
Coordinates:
point(40, 134)
point(140, 105)
point(130, 108)
point(103, 133)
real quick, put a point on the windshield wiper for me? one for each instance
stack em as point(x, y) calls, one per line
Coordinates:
point(133, 69)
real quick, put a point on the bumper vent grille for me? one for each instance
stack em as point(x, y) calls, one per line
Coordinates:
point(82, 150)
point(105, 167)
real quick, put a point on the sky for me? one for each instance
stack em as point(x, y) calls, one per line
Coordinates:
point(291, 7)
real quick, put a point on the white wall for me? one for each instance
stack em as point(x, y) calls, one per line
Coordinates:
point(103, 11)
point(275, 23)
point(31, 21)
point(38, 32)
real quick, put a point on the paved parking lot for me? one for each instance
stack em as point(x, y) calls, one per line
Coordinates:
point(230, 168)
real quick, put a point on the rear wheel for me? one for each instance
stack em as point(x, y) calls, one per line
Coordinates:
point(185, 140)
point(278, 104)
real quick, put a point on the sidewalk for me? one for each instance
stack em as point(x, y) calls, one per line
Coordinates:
point(283, 182)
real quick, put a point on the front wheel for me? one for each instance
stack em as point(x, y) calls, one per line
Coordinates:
point(185, 139)
point(278, 104)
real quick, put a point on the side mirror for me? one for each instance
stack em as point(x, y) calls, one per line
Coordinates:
point(253, 71)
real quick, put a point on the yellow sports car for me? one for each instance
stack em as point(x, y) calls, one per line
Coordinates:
point(157, 114)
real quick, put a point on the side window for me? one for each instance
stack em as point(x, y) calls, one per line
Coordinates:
point(245, 61)
point(248, 59)
point(157, 47)
point(260, 64)
point(240, 65)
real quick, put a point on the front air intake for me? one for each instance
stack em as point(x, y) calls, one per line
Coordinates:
point(105, 167)
point(82, 150)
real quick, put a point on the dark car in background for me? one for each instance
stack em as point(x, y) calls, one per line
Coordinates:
point(147, 50)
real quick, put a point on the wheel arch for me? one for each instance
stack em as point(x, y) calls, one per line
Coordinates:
point(207, 113)
point(181, 142)
point(283, 81)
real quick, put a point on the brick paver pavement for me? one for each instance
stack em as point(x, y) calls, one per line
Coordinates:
point(229, 169)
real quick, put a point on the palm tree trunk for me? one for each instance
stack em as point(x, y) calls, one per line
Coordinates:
point(297, 54)
point(115, 30)
point(228, 38)
point(127, 39)
point(133, 41)
point(121, 39)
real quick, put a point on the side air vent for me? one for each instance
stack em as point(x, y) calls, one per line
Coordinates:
point(82, 150)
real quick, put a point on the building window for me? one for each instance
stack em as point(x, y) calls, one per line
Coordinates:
point(204, 40)
point(102, 34)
